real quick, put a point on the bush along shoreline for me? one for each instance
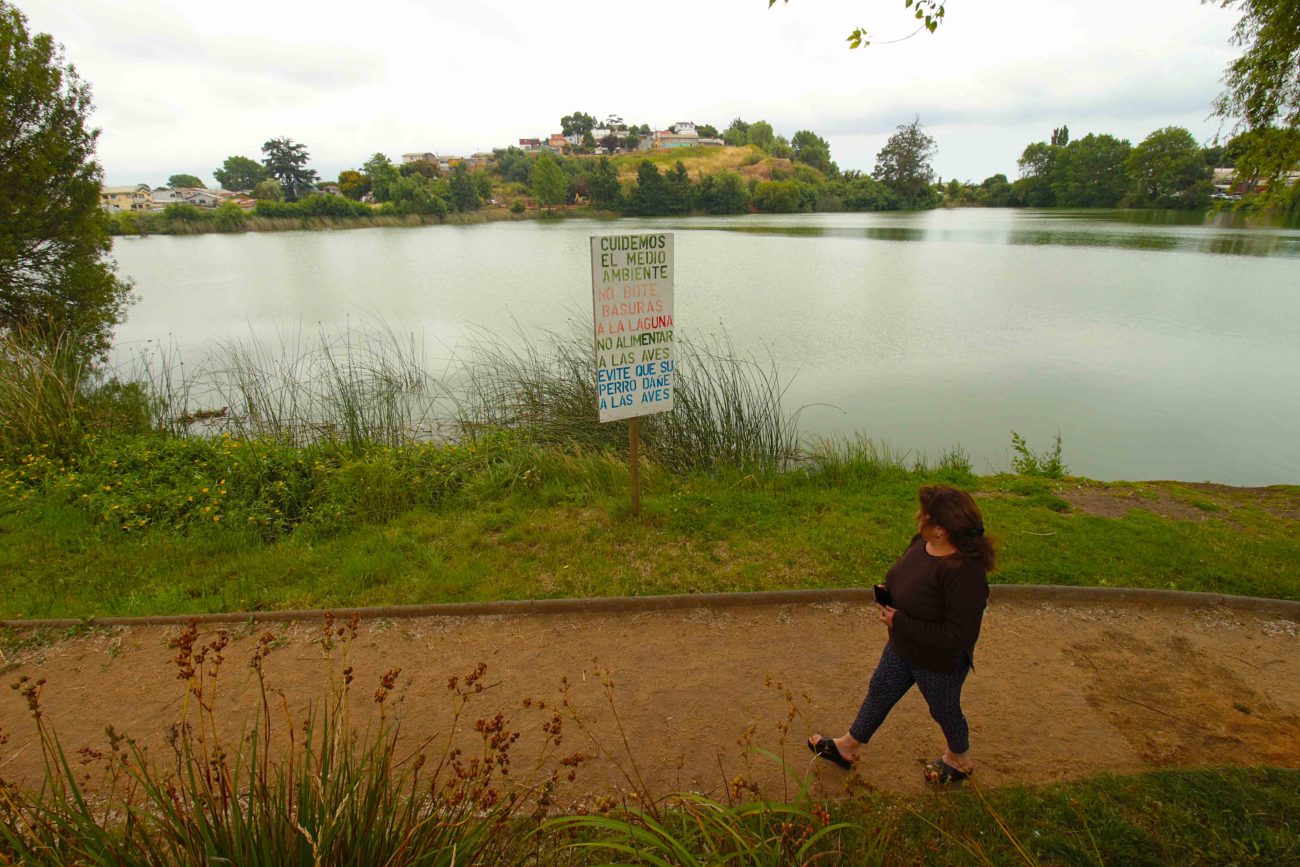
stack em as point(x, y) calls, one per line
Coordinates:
point(343, 475)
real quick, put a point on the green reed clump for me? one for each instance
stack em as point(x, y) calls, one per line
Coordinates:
point(859, 460)
point(356, 387)
point(727, 409)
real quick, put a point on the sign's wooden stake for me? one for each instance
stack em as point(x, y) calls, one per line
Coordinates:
point(634, 455)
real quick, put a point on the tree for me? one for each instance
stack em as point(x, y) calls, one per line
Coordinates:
point(650, 199)
point(603, 186)
point(1262, 92)
point(611, 142)
point(286, 161)
point(423, 168)
point(383, 176)
point(353, 184)
point(679, 195)
point(632, 141)
point(903, 166)
point(723, 193)
point(550, 184)
point(240, 173)
point(55, 279)
point(463, 194)
point(737, 135)
point(1089, 172)
point(578, 123)
point(268, 191)
point(779, 197)
point(707, 130)
point(1037, 164)
point(760, 135)
point(482, 183)
point(811, 149)
point(184, 181)
point(1060, 136)
point(997, 191)
point(1263, 85)
point(1169, 170)
point(588, 142)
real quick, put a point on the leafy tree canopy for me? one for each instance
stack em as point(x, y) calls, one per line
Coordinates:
point(55, 279)
point(464, 195)
point(268, 191)
point(183, 180)
point(1263, 85)
point(1169, 170)
point(579, 123)
point(286, 161)
point(813, 150)
point(353, 184)
point(240, 173)
point(903, 165)
point(550, 185)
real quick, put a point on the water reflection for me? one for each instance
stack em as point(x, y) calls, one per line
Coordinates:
point(1188, 232)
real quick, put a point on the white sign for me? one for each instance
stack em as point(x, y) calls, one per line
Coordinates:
point(632, 299)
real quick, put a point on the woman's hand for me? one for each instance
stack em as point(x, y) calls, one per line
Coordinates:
point(887, 615)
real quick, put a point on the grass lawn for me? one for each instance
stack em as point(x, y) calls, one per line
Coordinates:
point(567, 532)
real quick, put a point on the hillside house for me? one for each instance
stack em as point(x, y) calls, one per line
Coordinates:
point(424, 157)
point(135, 197)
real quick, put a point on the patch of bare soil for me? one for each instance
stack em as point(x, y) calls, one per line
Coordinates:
point(1116, 503)
point(671, 701)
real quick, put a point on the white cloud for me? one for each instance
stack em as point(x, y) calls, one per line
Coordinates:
point(179, 85)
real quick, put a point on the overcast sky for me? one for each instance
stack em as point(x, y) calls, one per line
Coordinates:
point(180, 85)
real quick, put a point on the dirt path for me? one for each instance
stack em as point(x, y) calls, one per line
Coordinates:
point(1060, 691)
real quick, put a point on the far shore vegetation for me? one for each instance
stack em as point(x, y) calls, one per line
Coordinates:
point(755, 172)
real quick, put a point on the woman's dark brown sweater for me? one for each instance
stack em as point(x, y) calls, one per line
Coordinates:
point(940, 602)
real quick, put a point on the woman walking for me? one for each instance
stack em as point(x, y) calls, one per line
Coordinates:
point(937, 592)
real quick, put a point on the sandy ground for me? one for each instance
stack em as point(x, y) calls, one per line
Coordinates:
point(1060, 692)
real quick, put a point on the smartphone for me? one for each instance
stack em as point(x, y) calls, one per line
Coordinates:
point(882, 595)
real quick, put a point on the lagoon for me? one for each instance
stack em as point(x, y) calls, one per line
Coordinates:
point(1158, 348)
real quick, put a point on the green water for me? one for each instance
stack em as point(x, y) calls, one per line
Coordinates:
point(1157, 347)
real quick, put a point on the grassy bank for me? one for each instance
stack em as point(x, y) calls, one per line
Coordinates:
point(339, 473)
point(146, 525)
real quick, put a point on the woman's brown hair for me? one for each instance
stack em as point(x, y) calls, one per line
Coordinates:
point(957, 513)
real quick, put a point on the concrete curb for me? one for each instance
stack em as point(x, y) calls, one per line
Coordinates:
point(1284, 608)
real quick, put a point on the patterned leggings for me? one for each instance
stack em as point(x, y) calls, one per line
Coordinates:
point(942, 692)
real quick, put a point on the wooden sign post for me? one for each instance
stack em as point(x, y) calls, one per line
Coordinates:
point(632, 309)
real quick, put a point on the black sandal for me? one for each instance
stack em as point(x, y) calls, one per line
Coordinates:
point(824, 748)
point(939, 773)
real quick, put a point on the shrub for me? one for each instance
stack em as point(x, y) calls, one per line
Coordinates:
point(1046, 464)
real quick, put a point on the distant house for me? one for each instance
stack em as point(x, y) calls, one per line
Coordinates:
point(199, 198)
point(164, 196)
point(679, 135)
point(331, 189)
point(530, 144)
point(556, 141)
point(425, 157)
point(135, 197)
